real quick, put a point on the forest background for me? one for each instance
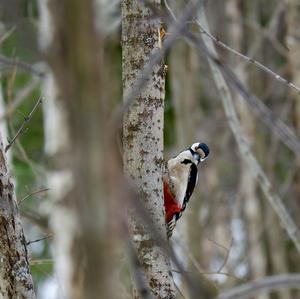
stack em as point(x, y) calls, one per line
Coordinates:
point(230, 233)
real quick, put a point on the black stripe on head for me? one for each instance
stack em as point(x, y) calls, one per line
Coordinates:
point(192, 152)
point(195, 155)
point(186, 161)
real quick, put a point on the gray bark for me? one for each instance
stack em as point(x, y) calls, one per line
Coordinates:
point(143, 141)
point(15, 277)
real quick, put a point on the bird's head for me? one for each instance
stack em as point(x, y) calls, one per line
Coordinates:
point(200, 151)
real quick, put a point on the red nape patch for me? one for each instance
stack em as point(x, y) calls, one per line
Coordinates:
point(171, 206)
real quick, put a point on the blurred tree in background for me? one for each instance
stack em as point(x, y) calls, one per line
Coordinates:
point(230, 234)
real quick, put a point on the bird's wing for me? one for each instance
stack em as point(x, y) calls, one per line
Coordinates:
point(191, 185)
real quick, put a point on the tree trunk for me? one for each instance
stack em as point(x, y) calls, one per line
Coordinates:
point(294, 70)
point(143, 141)
point(80, 218)
point(15, 277)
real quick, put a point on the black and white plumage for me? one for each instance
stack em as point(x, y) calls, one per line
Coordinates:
point(180, 179)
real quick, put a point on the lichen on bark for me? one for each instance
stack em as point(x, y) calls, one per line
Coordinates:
point(143, 141)
point(15, 276)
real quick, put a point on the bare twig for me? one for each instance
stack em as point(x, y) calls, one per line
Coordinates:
point(220, 245)
point(227, 250)
point(170, 11)
point(23, 128)
point(7, 34)
point(38, 220)
point(37, 169)
point(38, 240)
point(268, 31)
point(21, 65)
point(179, 291)
point(268, 284)
point(20, 97)
point(33, 193)
point(41, 262)
point(210, 274)
point(201, 270)
point(243, 144)
point(249, 60)
point(275, 124)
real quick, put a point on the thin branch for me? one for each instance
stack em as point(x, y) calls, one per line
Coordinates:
point(268, 284)
point(210, 274)
point(274, 123)
point(289, 180)
point(239, 54)
point(21, 65)
point(7, 34)
point(20, 97)
point(201, 270)
point(227, 251)
point(25, 122)
point(231, 276)
point(243, 144)
point(179, 291)
point(226, 257)
point(220, 245)
point(38, 240)
point(249, 60)
point(170, 11)
point(37, 169)
point(33, 193)
point(41, 262)
point(41, 221)
point(268, 31)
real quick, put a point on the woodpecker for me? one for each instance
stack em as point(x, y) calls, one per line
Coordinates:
point(180, 179)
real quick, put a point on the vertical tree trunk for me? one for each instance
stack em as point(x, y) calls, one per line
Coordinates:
point(278, 251)
point(143, 140)
point(292, 42)
point(294, 69)
point(15, 277)
point(81, 222)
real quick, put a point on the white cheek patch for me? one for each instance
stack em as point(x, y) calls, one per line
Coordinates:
point(201, 153)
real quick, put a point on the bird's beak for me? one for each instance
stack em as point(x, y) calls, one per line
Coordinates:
point(202, 159)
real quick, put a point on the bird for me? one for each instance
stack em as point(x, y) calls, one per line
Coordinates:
point(179, 181)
